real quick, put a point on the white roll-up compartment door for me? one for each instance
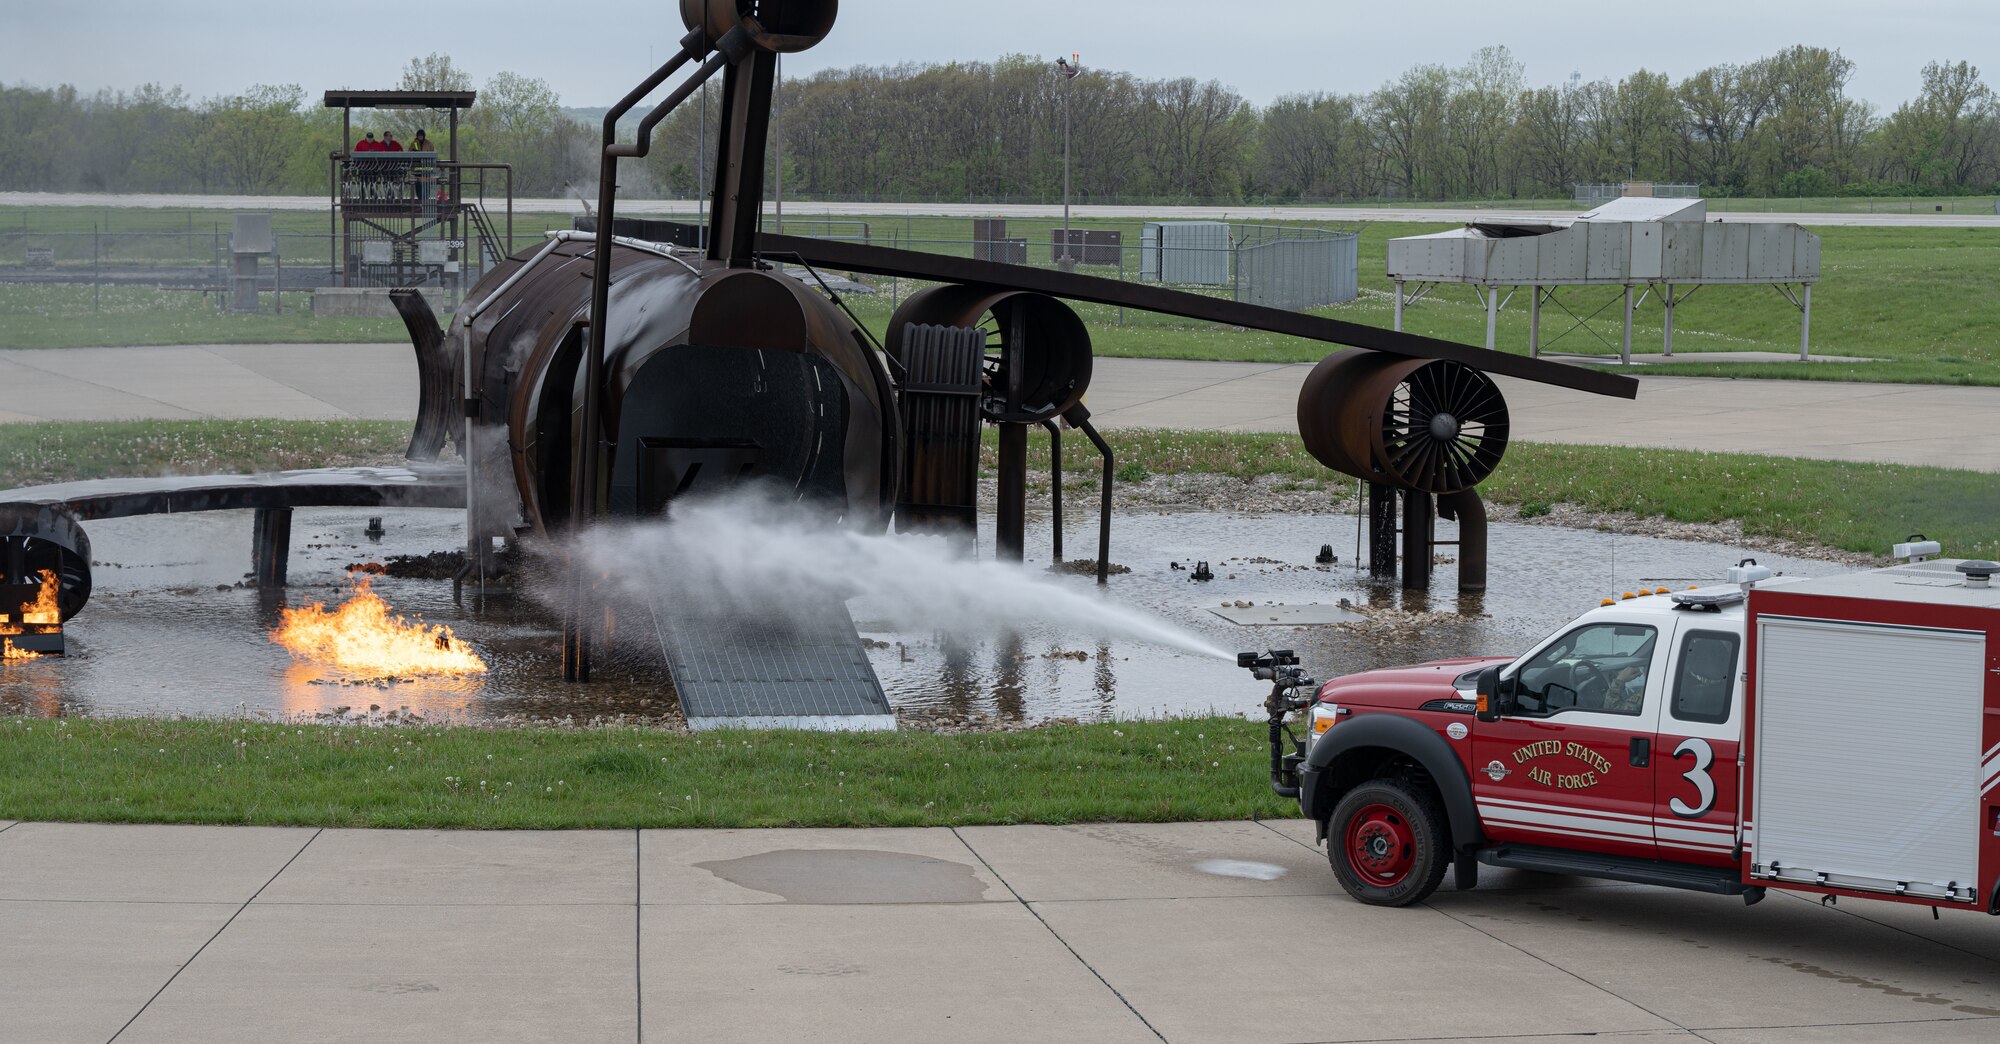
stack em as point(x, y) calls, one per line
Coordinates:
point(1867, 756)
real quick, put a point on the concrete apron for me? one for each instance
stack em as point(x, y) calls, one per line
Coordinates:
point(1101, 932)
point(1948, 426)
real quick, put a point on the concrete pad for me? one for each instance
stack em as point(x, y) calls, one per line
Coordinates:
point(375, 381)
point(78, 971)
point(1838, 420)
point(1301, 830)
point(1952, 1031)
point(1203, 969)
point(1643, 1037)
point(398, 973)
point(190, 379)
point(55, 397)
point(820, 866)
point(970, 972)
point(1967, 930)
point(462, 867)
point(126, 863)
point(1703, 960)
point(1491, 878)
point(1148, 860)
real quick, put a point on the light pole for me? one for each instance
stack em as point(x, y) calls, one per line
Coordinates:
point(778, 140)
point(701, 172)
point(1070, 68)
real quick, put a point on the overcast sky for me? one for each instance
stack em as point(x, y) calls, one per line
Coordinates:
point(1262, 49)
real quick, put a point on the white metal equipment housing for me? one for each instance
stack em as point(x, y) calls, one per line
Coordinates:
point(1874, 734)
point(1649, 246)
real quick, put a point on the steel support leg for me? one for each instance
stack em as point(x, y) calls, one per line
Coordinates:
point(1805, 326)
point(1465, 507)
point(1625, 354)
point(1399, 304)
point(1419, 517)
point(1670, 319)
point(1055, 490)
point(1492, 316)
point(1079, 419)
point(271, 546)
point(1381, 531)
point(1535, 323)
point(1010, 528)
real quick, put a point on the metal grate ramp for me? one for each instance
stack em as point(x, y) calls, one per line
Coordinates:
point(795, 664)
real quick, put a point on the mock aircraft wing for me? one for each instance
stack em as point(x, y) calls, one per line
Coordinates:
point(910, 264)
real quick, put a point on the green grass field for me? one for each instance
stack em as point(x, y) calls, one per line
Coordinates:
point(192, 771)
point(68, 451)
point(1921, 299)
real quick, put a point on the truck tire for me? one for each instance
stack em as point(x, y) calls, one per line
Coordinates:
point(1387, 843)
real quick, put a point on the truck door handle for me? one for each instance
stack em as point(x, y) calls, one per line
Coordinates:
point(1642, 751)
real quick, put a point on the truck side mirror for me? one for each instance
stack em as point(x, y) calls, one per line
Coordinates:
point(1488, 688)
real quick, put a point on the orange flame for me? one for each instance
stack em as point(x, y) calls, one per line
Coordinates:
point(364, 638)
point(43, 614)
point(44, 610)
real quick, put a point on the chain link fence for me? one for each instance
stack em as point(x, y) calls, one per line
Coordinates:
point(1291, 267)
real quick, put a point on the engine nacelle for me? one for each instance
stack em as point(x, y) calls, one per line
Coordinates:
point(1429, 425)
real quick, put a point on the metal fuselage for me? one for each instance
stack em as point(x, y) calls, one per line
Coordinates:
point(693, 396)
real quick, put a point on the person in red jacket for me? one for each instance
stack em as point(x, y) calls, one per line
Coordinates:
point(368, 144)
point(389, 142)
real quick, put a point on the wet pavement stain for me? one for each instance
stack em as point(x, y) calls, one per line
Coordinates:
point(1866, 983)
point(832, 876)
point(818, 968)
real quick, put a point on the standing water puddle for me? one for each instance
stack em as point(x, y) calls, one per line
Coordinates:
point(168, 633)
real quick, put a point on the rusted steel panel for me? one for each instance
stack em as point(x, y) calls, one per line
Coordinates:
point(430, 486)
point(940, 413)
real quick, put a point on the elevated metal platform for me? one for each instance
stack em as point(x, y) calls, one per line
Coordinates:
point(795, 663)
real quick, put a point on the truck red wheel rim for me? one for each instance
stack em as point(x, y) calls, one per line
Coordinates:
point(1381, 848)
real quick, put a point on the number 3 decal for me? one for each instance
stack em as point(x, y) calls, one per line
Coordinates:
point(1704, 787)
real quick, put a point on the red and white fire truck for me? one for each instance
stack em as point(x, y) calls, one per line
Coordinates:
point(1838, 735)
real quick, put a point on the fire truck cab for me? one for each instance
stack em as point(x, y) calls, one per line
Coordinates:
point(1837, 735)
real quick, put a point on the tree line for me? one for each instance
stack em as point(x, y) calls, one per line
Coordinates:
point(1784, 125)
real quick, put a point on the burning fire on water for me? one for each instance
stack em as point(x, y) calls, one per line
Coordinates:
point(366, 638)
point(8, 652)
point(37, 617)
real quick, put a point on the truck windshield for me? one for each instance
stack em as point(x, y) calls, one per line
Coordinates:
point(1597, 667)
